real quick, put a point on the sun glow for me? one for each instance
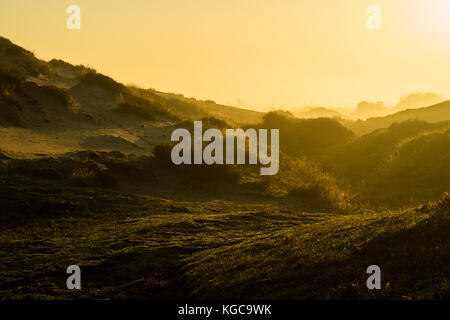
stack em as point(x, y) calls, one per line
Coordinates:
point(441, 11)
point(436, 19)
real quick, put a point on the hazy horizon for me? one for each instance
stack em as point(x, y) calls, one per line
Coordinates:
point(253, 54)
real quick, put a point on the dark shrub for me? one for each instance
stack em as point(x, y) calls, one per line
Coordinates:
point(162, 153)
point(197, 173)
point(305, 137)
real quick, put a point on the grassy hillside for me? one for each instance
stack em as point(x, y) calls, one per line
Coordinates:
point(407, 163)
point(326, 259)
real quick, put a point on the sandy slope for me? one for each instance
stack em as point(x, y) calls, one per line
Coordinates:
point(94, 125)
point(55, 111)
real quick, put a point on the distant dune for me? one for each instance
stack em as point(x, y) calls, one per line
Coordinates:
point(435, 113)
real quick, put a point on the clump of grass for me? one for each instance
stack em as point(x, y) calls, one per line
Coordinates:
point(304, 183)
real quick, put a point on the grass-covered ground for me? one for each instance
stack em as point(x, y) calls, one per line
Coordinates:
point(136, 246)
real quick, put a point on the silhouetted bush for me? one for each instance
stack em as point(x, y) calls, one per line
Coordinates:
point(162, 153)
point(215, 174)
point(306, 137)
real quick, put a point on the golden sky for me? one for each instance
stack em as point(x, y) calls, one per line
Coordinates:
point(263, 53)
